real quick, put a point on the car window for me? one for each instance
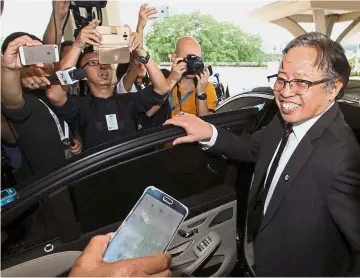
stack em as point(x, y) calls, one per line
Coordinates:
point(105, 197)
point(241, 103)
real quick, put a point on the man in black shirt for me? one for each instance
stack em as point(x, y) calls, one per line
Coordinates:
point(32, 123)
point(102, 115)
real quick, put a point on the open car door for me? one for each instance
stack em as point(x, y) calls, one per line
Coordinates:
point(47, 228)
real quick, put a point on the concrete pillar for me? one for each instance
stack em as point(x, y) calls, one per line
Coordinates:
point(331, 19)
point(320, 21)
point(350, 30)
point(293, 27)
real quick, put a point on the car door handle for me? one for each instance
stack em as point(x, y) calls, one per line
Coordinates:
point(202, 254)
point(188, 234)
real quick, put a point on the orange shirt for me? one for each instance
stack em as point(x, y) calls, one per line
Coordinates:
point(189, 104)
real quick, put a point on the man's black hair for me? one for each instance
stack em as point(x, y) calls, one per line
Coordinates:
point(331, 57)
point(14, 36)
point(165, 72)
point(87, 50)
point(121, 69)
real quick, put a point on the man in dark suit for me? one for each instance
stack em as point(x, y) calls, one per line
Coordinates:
point(304, 202)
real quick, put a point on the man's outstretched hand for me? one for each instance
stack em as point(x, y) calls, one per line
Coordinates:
point(11, 58)
point(91, 263)
point(144, 16)
point(196, 129)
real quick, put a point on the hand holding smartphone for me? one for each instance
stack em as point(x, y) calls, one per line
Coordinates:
point(32, 55)
point(149, 228)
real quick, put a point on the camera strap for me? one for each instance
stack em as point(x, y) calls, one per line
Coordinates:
point(180, 100)
point(63, 137)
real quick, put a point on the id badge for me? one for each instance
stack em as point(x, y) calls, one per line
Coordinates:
point(111, 122)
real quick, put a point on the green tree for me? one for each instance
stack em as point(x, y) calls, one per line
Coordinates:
point(220, 41)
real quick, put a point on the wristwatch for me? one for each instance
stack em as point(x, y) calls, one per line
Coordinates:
point(203, 96)
point(144, 60)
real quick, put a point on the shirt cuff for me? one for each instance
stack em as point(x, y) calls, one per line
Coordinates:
point(208, 144)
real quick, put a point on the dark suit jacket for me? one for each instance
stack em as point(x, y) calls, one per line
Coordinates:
point(312, 224)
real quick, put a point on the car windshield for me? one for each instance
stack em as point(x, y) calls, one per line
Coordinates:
point(75, 94)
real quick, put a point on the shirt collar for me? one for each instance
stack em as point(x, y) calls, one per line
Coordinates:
point(301, 129)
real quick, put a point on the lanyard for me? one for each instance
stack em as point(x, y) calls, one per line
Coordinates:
point(66, 127)
point(181, 100)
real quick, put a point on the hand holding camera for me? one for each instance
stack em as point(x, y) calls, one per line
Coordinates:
point(88, 36)
point(177, 69)
point(202, 81)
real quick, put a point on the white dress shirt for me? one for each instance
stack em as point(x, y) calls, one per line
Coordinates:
point(120, 89)
point(299, 131)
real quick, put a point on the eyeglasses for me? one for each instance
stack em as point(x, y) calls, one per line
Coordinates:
point(93, 63)
point(297, 86)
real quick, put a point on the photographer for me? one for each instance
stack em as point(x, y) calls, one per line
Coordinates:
point(134, 78)
point(103, 116)
point(199, 99)
point(31, 121)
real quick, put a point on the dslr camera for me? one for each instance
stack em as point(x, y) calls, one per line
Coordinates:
point(194, 64)
point(115, 43)
point(81, 21)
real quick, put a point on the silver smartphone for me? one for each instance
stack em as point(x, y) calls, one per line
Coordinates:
point(149, 228)
point(31, 55)
point(162, 11)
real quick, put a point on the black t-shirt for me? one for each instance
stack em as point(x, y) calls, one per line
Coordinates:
point(100, 120)
point(163, 114)
point(37, 135)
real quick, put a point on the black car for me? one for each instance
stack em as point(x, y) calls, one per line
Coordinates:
point(47, 227)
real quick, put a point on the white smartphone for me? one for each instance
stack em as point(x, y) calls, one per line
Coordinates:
point(31, 55)
point(149, 228)
point(162, 11)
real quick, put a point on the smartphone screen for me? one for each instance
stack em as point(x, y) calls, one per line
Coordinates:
point(147, 230)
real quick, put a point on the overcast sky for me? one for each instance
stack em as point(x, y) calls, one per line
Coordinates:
point(32, 16)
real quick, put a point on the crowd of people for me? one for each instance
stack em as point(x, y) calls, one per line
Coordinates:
point(64, 121)
point(304, 206)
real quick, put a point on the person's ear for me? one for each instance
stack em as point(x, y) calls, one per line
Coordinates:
point(173, 57)
point(335, 90)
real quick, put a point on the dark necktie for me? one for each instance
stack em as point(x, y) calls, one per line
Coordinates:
point(257, 212)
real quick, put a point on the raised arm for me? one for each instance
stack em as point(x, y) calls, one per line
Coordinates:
point(133, 70)
point(201, 104)
point(88, 36)
point(57, 94)
point(177, 71)
point(11, 91)
point(60, 10)
point(159, 81)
